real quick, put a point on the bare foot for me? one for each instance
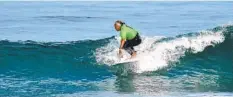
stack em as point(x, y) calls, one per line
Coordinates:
point(133, 55)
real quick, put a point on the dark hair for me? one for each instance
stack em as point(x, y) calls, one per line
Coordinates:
point(119, 21)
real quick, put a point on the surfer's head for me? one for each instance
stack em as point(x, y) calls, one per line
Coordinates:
point(118, 25)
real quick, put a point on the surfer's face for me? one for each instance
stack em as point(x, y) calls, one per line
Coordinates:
point(117, 26)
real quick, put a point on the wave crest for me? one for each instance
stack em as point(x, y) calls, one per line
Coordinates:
point(158, 52)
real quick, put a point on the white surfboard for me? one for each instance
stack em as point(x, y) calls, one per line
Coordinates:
point(122, 61)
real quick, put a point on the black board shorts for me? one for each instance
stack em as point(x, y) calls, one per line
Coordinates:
point(129, 44)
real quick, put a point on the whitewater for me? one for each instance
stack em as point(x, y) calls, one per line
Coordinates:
point(158, 52)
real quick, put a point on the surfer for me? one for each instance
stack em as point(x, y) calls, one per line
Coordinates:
point(129, 38)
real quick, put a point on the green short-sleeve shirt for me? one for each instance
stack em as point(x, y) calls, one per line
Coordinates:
point(127, 33)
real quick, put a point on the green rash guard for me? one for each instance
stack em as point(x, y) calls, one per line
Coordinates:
point(127, 33)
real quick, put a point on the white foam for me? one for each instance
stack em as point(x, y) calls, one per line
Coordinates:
point(155, 55)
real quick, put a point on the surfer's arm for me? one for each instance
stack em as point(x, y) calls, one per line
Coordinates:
point(123, 39)
point(121, 45)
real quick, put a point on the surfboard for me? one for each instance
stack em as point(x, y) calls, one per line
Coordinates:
point(125, 67)
point(126, 61)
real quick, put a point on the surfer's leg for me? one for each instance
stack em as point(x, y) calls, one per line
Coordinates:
point(134, 53)
point(132, 48)
point(128, 48)
point(134, 42)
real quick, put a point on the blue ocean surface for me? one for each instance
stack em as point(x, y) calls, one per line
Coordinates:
point(70, 49)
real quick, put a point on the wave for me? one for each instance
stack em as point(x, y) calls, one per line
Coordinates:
point(155, 52)
point(159, 52)
point(52, 59)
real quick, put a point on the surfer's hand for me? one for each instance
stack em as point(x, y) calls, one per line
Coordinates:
point(120, 53)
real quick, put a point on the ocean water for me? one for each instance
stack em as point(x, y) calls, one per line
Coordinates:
point(70, 49)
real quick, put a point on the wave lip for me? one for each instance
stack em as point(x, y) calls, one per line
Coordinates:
point(156, 53)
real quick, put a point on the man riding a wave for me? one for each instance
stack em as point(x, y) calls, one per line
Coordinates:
point(129, 38)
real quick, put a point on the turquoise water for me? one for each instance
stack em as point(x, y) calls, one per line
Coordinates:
point(69, 49)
